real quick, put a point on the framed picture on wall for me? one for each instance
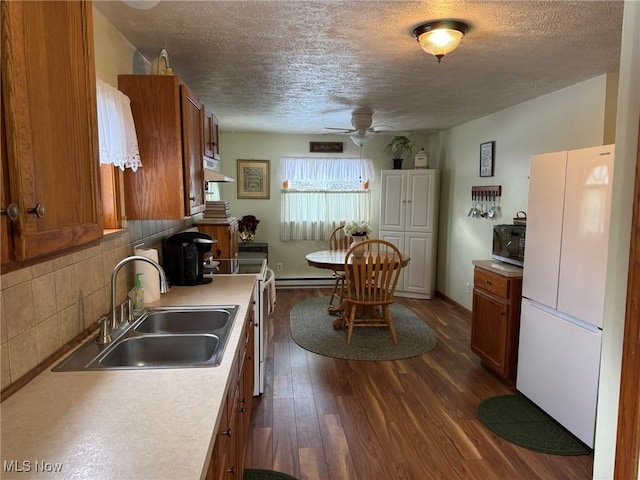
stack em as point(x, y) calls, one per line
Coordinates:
point(487, 151)
point(253, 178)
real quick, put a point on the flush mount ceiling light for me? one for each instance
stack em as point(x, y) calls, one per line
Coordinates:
point(440, 37)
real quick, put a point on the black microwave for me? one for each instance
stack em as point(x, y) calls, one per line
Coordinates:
point(508, 244)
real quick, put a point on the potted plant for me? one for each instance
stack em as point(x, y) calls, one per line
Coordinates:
point(247, 226)
point(398, 147)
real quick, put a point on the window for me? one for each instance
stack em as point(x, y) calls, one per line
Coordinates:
point(321, 193)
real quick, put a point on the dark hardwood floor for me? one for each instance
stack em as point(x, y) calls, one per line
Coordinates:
point(330, 419)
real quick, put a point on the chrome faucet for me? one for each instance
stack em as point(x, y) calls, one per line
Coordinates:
point(164, 286)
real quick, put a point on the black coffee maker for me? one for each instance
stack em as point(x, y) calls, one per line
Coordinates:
point(183, 257)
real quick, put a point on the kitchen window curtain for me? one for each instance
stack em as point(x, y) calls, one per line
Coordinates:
point(321, 193)
point(117, 140)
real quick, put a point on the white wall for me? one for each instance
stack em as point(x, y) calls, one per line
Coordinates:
point(255, 146)
point(568, 119)
point(114, 54)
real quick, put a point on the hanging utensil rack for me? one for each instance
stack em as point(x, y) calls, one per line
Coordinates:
point(481, 198)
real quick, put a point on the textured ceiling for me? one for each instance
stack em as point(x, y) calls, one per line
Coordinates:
point(300, 66)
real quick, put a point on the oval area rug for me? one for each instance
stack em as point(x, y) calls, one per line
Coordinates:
point(312, 329)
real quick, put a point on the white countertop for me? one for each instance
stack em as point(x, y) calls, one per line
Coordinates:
point(501, 268)
point(133, 424)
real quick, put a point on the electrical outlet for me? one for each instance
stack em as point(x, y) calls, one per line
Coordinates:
point(278, 267)
point(468, 288)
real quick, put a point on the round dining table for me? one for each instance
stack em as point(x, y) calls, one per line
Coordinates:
point(334, 260)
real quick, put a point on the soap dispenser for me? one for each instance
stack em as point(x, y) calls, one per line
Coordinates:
point(137, 296)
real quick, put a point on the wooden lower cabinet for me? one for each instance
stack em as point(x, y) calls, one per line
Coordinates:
point(226, 233)
point(495, 321)
point(227, 460)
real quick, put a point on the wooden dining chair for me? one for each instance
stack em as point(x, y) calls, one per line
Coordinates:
point(372, 270)
point(338, 241)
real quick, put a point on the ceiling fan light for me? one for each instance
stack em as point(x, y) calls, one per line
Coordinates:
point(440, 37)
point(359, 139)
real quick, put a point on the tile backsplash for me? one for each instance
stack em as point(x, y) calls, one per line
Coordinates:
point(44, 306)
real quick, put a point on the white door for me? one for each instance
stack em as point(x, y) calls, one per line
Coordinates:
point(392, 200)
point(418, 277)
point(419, 274)
point(421, 197)
point(559, 367)
point(585, 233)
point(397, 238)
point(544, 227)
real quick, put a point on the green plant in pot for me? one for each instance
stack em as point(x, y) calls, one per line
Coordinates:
point(398, 147)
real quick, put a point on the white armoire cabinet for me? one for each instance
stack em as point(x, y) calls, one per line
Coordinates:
point(409, 219)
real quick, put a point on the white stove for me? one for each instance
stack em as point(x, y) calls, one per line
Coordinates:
point(261, 294)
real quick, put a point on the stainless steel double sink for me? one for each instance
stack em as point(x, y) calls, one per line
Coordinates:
point(163, 337)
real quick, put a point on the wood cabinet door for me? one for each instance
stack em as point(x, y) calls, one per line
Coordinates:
point(233, 240)
point(193, 151)
point(6, 229)
point(208, 133)
point(489, 330)
point(211, 135)
point(49, 105)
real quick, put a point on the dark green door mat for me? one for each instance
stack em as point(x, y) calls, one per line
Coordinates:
point(256, 474)
point(518, 420)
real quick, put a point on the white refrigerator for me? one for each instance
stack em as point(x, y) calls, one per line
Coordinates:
point(563, 284)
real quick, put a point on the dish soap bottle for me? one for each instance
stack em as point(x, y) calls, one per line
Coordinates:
point(137, 296)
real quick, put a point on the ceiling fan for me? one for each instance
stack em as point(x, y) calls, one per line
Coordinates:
point(362, 130)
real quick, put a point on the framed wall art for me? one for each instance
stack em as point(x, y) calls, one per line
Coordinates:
point(253, 179)
point(487, 151)
point(325, 147)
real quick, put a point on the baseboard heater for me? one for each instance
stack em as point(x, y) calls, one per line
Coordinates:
point(304, 282)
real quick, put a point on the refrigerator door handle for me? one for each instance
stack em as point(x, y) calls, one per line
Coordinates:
point(573, 320)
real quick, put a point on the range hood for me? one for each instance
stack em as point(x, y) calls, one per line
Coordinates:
point(213, 176)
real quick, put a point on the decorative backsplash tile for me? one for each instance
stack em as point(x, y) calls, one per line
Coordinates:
point(44, 306)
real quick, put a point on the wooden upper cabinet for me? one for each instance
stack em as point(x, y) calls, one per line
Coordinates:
point(169, 125)
point(50, 157)
point(192, 146)
point(211, 135)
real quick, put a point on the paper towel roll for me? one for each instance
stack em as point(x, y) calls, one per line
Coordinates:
point(150, 279)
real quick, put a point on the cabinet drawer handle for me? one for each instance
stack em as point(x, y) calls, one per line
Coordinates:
point(488, 282)
point(227, 432)
point(231, 470)
point(38, 210)
point(12, 211)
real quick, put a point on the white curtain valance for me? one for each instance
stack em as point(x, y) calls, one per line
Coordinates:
point(316, 173)
point(116, 131)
